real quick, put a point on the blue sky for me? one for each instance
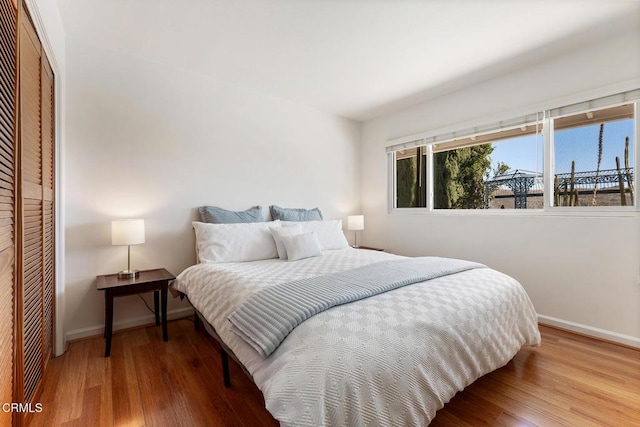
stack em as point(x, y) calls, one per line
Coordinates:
point(519, 153)
point(579, 144)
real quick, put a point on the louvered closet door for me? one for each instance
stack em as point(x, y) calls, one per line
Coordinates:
point(48, 265)
point(8, 23)
point(31, 207)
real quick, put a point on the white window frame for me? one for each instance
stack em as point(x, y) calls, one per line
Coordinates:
point(604, 98)
point(551, 167)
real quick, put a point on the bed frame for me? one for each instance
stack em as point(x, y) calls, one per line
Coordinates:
point(225, 351)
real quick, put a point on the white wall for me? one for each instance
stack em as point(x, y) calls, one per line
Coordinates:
point(151, 141)
point(582, 271)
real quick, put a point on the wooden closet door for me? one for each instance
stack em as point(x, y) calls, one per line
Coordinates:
point(35, 204)
point(8, 90)
point(30, 277)
point(48, 205)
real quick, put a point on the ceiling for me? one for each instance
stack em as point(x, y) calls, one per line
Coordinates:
point(354, 58)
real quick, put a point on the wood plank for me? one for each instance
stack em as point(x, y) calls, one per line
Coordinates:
point(67, 397)
point(54, 370)
point(158, 409)
point(126, 405)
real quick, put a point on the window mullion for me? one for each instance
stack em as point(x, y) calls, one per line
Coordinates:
point(429, 177)
point(391, 173)
point(636, 149)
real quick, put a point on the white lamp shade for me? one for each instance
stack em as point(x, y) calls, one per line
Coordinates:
point(127, 232)
point(355, 222)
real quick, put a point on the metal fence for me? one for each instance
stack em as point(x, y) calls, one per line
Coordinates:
point(520, 189)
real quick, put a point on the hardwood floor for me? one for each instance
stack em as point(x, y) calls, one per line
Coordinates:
point(569, 380)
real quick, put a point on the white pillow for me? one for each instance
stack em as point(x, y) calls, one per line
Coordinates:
point(329, 232)
point(278, 232)
point(302, 246)
point(235, 242)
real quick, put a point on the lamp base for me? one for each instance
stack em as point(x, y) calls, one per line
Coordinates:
point(128, 274)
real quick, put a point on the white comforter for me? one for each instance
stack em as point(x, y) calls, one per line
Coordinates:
point(392, 359)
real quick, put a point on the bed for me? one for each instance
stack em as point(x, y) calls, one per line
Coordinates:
point(390, 359)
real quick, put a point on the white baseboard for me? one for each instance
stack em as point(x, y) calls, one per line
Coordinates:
point(590, 331)
point(92, 331)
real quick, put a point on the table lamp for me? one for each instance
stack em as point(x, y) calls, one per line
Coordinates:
point(355, 223)
point(127, 232)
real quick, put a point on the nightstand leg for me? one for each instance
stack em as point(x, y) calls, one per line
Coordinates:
point(165, 334)
point(156, 306)
point(108, 326)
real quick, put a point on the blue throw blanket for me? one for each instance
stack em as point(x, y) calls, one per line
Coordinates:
point(267, 317)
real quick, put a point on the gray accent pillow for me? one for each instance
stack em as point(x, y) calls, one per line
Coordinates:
point(216, 215)
point(295, 214)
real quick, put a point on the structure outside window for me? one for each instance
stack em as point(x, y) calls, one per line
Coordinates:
point(594, 154)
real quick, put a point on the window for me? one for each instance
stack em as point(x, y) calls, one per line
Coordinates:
point(594, 153)
point(579, 155)
point(411, 178)
point(499, 170)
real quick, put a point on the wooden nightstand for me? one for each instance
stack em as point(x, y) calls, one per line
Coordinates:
point(369, 248)
point(156, 281)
